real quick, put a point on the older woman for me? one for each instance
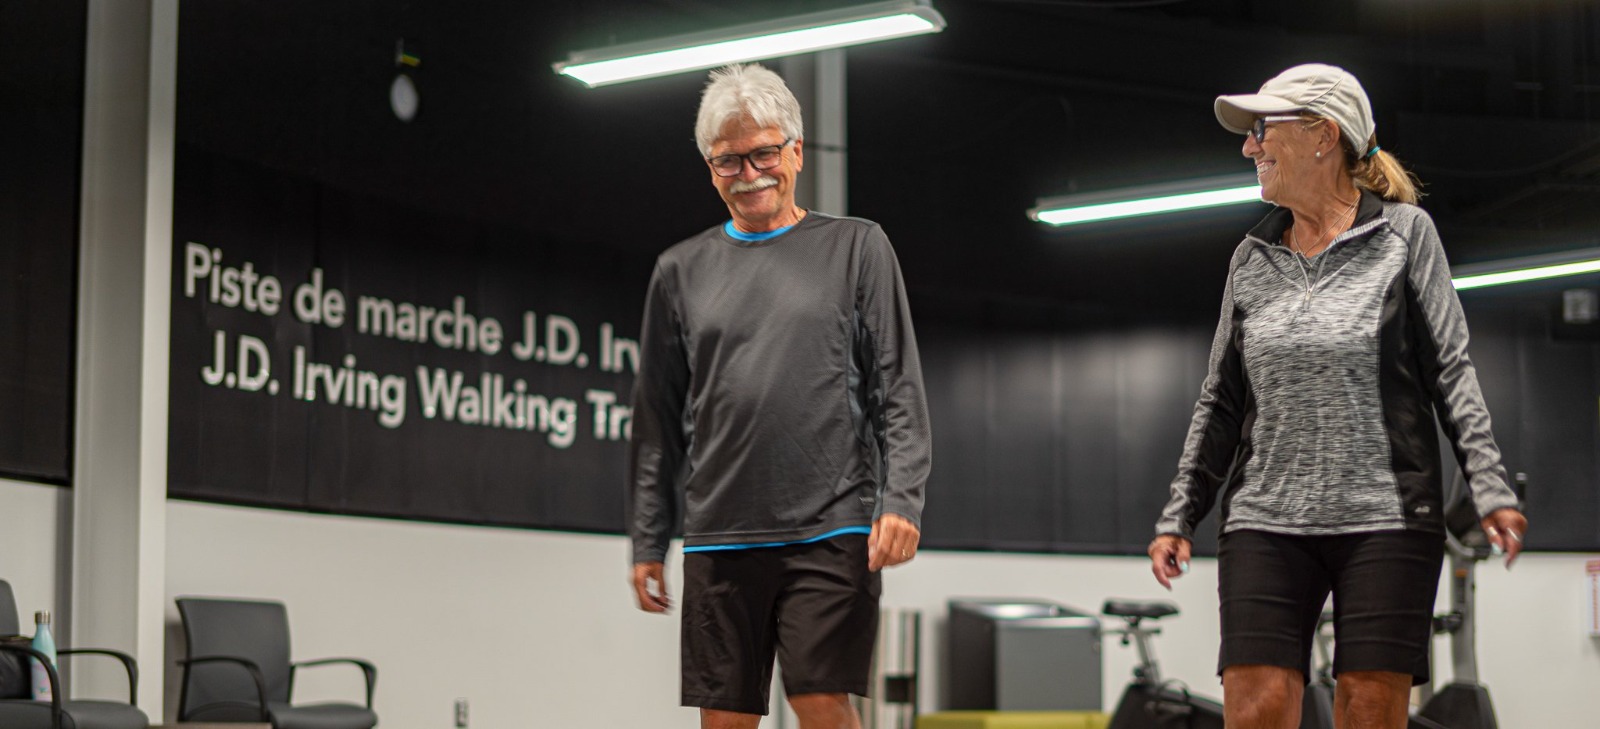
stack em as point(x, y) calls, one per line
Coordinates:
point(1341, 339)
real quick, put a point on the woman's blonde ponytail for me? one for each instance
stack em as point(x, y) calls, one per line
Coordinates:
point(1383, 174)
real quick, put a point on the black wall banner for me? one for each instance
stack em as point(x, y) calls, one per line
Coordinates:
point(346, 353)
point(435, 319)
point(339, 353)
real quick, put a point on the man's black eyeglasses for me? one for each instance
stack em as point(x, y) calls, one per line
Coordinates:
point(1259, 131)
point(761, 158)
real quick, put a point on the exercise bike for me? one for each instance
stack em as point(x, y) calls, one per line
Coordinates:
point(1149, 702)
point(1316, 706)
point(1464, 703)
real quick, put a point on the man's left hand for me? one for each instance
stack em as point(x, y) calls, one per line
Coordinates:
point(893, 541)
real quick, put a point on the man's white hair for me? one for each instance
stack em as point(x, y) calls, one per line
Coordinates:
point(746, 90)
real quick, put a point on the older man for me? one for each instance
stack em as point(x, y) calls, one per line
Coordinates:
point(779, 388)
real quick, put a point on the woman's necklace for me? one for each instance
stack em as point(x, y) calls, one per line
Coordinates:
point(1339, 225)
point(1312, 275)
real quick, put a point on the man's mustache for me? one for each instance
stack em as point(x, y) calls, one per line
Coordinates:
point(760, 183)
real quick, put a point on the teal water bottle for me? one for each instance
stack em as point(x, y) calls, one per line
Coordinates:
point(46, 644)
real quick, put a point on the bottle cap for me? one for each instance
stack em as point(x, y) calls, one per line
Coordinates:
point(42, 617)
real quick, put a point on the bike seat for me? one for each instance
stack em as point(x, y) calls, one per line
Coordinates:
point(1139, 608)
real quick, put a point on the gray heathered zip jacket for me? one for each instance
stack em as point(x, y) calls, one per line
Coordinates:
point(1317, 414)
point(779, 387)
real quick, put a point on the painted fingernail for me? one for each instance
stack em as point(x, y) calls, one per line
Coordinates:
point(1496, 550)
point(1183, 567)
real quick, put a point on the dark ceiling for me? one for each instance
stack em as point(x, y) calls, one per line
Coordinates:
point(952, 137)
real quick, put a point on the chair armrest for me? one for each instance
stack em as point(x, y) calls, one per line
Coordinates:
point(55, 679)
point(367, 670)
point(127, 663)
point(249, 665)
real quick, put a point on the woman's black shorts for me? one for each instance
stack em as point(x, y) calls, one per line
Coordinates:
point(1273, 587)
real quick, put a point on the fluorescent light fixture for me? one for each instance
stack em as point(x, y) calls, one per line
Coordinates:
point(1147, 200)
point(1533, 268)
point(753, 42)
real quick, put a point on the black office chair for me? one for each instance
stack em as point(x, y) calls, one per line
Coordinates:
point(237, 669)
point(22, 712)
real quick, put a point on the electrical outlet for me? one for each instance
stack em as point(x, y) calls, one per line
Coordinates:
point(461, 714)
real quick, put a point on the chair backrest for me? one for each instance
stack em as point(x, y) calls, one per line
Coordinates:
point(8, 611)
point(250, 629)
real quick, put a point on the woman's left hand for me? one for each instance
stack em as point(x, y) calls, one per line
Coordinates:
point(1506, 528)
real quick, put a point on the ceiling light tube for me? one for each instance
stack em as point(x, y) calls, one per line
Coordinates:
point(1147, 200)
point(752, 42)
point(1532, 268)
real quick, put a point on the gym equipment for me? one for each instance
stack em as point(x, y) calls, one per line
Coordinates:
point(1316, 708)
point(1464, 703)
point(1022, 655)
point(1149, 702)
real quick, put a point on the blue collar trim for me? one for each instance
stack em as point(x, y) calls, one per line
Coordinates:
point(741, 235)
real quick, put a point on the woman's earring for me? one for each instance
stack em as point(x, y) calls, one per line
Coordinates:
point(1319, 154)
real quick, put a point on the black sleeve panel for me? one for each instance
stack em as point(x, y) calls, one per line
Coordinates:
point(900, 422)
point(1448, 373)
point(656, 453)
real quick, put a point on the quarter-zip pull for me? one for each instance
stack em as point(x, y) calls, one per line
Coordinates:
point(1306, 270)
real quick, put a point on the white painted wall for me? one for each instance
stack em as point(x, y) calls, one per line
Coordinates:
point(541, 625)
point(33, 520)
point(1533, 650)
point(538, 628)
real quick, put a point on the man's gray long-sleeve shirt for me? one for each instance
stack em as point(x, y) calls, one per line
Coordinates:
point(779, 387)
point(1317, 413)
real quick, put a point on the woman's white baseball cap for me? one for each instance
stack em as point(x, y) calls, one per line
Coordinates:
point(1317, 88)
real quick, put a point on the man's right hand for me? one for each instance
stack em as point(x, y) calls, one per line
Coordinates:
point(1169, 558)
point(644, 574)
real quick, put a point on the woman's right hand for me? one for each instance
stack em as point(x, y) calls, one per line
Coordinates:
point(1505, 528)
point(1169, 558)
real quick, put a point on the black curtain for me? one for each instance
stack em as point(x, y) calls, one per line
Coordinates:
point(41, 129)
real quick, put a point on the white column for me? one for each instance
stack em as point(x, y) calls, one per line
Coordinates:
point(818, 81)
point(119, 477)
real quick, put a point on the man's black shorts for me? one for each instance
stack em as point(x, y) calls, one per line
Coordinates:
point(815, 605)
point(1273, 587)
